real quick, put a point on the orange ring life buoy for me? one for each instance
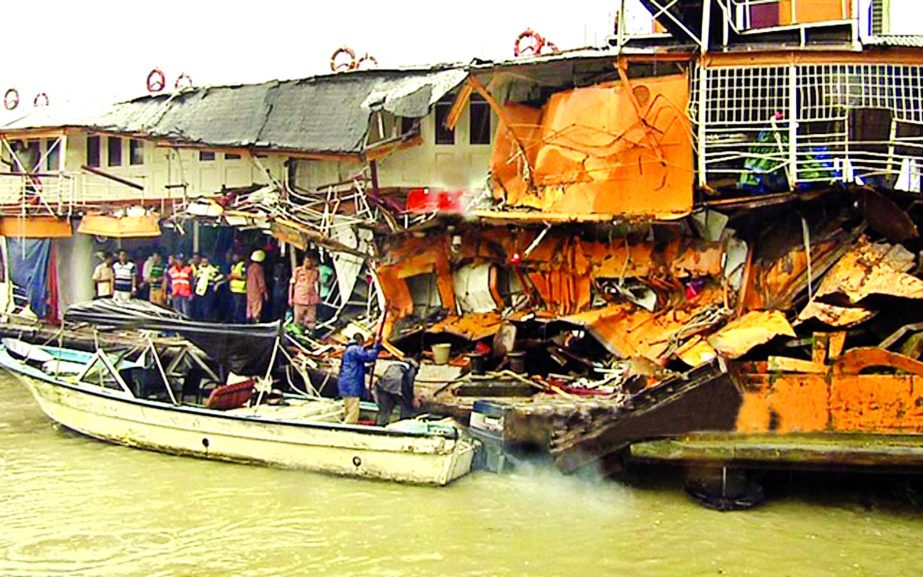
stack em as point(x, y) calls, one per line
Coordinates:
point(343, 66)
point(182, 81)
point(367, 58)
point(156, 81)
point(41, 96)
point(533, 49)
point(11, 99)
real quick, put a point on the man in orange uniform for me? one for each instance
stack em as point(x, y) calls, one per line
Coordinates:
point(256, 287)
point(181, 286)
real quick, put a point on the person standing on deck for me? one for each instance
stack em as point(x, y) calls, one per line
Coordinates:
point(156, 280)
point(193, 263)
point(238, 286)
point(303, 295)
point(180, 276)
point(256, 287)
point(103, 278)
point(281, 279)
point(352, 375)
point(207, 280)
point(126, 280)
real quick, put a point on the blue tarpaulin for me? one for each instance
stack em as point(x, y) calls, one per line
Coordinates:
point(28, 258)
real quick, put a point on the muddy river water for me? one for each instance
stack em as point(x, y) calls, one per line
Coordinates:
point(73, 506)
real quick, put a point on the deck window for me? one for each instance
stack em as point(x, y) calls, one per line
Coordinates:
point(93, 155)
point(231, 156)
point(114, 151)
point(206, 156)
point(479, 120)
point(410, 125)
point(443, 134)
point(135, 152)
point(32, 160)
point(52, 154)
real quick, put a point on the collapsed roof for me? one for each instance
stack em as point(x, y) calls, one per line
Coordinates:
point(326, 114)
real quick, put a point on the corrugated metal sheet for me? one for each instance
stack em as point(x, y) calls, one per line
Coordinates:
point(321, 114)
point(895, 40)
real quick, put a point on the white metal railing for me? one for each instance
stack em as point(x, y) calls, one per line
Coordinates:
point(37, 194)
point(794, 124)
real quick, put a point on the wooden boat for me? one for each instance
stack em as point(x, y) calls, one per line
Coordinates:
point(109, 398)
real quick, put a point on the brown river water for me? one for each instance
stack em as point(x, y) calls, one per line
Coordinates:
point(74, 506)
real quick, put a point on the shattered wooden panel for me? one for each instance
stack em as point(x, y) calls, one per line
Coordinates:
point(755, 328)
point(596, 155)
point(876, 403)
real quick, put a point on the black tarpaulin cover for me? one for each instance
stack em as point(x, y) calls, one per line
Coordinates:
point(243, 349)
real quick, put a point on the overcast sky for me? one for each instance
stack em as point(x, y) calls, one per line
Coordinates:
point(75, 49)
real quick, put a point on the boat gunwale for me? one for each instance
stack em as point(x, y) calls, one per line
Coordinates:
point(204, 412)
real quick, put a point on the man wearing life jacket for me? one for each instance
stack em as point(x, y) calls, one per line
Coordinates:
point(238, 286)
point(207, 280)
point(181, 286)
point(156, 280)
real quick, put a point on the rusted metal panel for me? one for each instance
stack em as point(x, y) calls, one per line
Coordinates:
point(835, 316)
point(755, 328)
point(868, 269)
point(784, 404)
point(877, 403)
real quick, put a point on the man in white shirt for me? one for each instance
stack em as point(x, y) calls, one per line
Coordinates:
point(125, 278)
point(103, 278)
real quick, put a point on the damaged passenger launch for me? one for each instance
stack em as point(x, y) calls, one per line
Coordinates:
point(698, 246)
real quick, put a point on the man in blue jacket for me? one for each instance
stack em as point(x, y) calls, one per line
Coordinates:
point(352, 375)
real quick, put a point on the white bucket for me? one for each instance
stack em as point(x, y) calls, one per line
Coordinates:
point(441, 353)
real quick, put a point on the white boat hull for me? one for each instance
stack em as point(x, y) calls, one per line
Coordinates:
point(354, 451)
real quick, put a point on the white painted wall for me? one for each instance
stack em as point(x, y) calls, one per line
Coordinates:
point(162, 166)
point(453, 166)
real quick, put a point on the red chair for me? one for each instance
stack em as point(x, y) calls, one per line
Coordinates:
point(230, 396)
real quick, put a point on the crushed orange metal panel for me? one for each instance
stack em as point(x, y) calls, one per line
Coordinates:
point(755, 328)
point(872, 269)
point(473, 326)
point(835, 316)
point(35, 227)
point(774, 282)
point(560, 271)
point(626, 330)
point(593, 154)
